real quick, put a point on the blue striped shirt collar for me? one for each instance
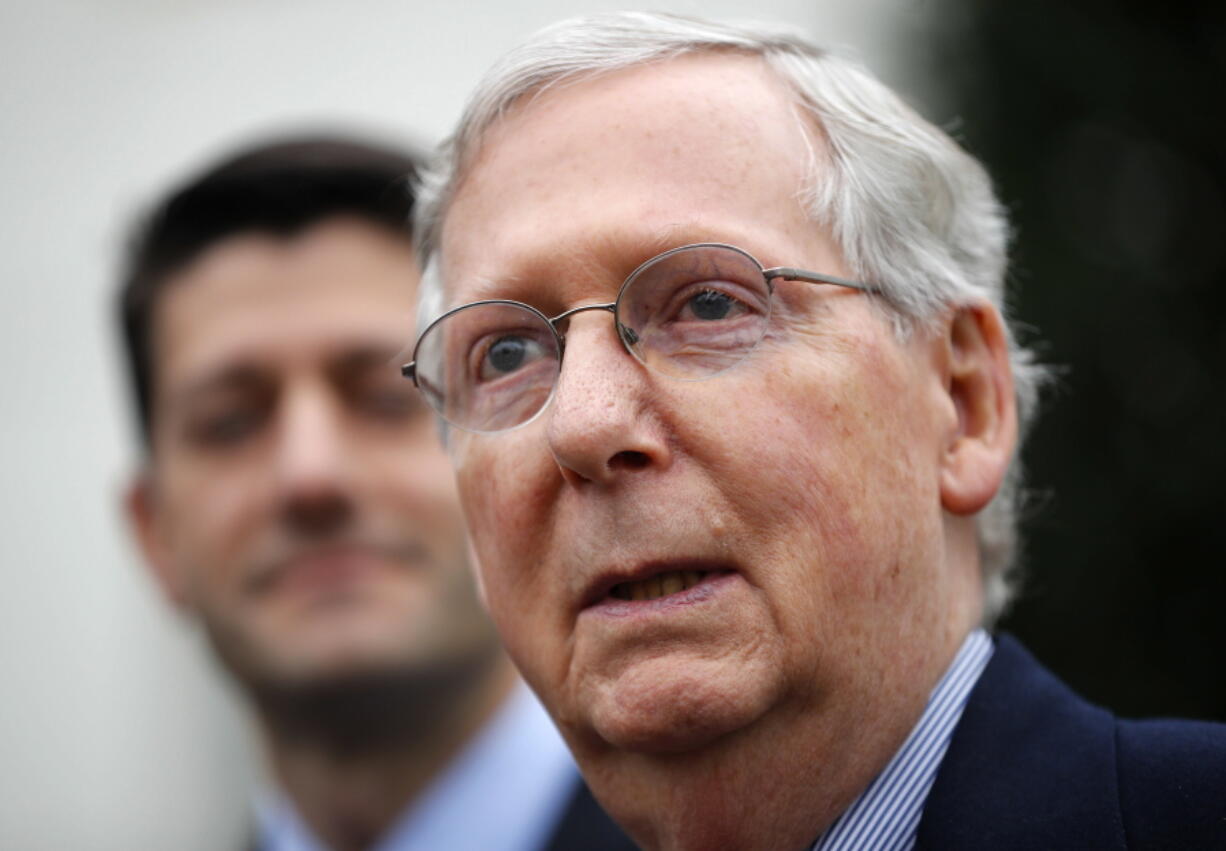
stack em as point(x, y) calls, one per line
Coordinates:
point(506, 790)
point(886, 815)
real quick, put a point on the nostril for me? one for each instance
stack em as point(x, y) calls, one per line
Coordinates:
point(320, 513)
point(629, 460)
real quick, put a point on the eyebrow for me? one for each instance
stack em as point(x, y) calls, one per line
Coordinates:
point(240, 376)
point(250, 374)
point(484, 288)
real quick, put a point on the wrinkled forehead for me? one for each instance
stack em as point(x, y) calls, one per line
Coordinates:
point(693, 148)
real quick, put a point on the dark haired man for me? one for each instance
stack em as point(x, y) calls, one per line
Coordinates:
point(294, 499)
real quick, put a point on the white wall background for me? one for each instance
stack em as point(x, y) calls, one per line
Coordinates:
point(115, 732)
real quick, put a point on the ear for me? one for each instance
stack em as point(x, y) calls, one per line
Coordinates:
point(979, 382)
point(145, 518)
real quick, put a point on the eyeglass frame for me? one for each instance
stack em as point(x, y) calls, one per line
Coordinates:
point(624, 334)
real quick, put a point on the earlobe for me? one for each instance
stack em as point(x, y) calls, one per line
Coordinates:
point(980, 385)
point(141, 506)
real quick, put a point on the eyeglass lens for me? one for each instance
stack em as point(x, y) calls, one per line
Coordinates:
point(689, 313)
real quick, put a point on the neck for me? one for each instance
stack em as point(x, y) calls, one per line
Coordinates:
point(776, 785)
point(783, 780)
point(352, 755)
point(730, 797)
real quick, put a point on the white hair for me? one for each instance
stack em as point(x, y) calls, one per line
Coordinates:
point(912, 212)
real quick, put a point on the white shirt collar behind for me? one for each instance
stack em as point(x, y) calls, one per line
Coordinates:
point(506, 790)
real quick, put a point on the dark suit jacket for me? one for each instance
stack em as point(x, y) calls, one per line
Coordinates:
point(585, 827)
point(1033, 766)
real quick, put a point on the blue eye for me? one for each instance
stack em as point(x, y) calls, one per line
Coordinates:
point(710, 305)
point(707, 304)
point(508, 354)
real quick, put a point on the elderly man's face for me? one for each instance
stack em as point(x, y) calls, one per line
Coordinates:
point(801, 488)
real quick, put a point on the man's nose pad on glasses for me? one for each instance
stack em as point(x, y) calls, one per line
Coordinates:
point(627, 334)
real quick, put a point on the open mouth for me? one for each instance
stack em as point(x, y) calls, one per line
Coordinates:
point(660, 585)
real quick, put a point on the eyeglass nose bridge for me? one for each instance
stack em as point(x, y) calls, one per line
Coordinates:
point(567, 314)
point(625, 334)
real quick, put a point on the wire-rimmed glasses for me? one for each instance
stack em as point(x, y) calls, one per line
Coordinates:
point(689, 313)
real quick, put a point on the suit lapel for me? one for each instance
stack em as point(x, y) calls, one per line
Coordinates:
point(1029, 766)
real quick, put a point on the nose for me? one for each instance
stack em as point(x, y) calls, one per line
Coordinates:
point(314, 463)
point(601, 423)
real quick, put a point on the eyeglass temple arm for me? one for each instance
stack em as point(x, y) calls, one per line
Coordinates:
point(409, 370)
point(787, 273)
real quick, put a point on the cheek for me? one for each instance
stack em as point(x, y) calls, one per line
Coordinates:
point(505, 490)
point(837, 460)
point(211, 519)
point(506, 483)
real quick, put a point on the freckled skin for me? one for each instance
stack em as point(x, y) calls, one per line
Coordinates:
point(813, 468)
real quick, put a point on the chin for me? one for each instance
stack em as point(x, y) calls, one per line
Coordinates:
point(661, 706)
point(332, 651)
point(358, 651)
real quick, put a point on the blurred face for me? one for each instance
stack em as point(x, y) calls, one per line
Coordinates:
point(298, 500)
point(675, 565)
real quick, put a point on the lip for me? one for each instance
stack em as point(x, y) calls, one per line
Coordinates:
point(599, 597)
point(331, 566)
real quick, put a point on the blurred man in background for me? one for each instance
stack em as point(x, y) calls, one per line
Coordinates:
point(294, 499)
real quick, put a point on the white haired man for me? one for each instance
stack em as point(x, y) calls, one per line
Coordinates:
point(743, 537)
